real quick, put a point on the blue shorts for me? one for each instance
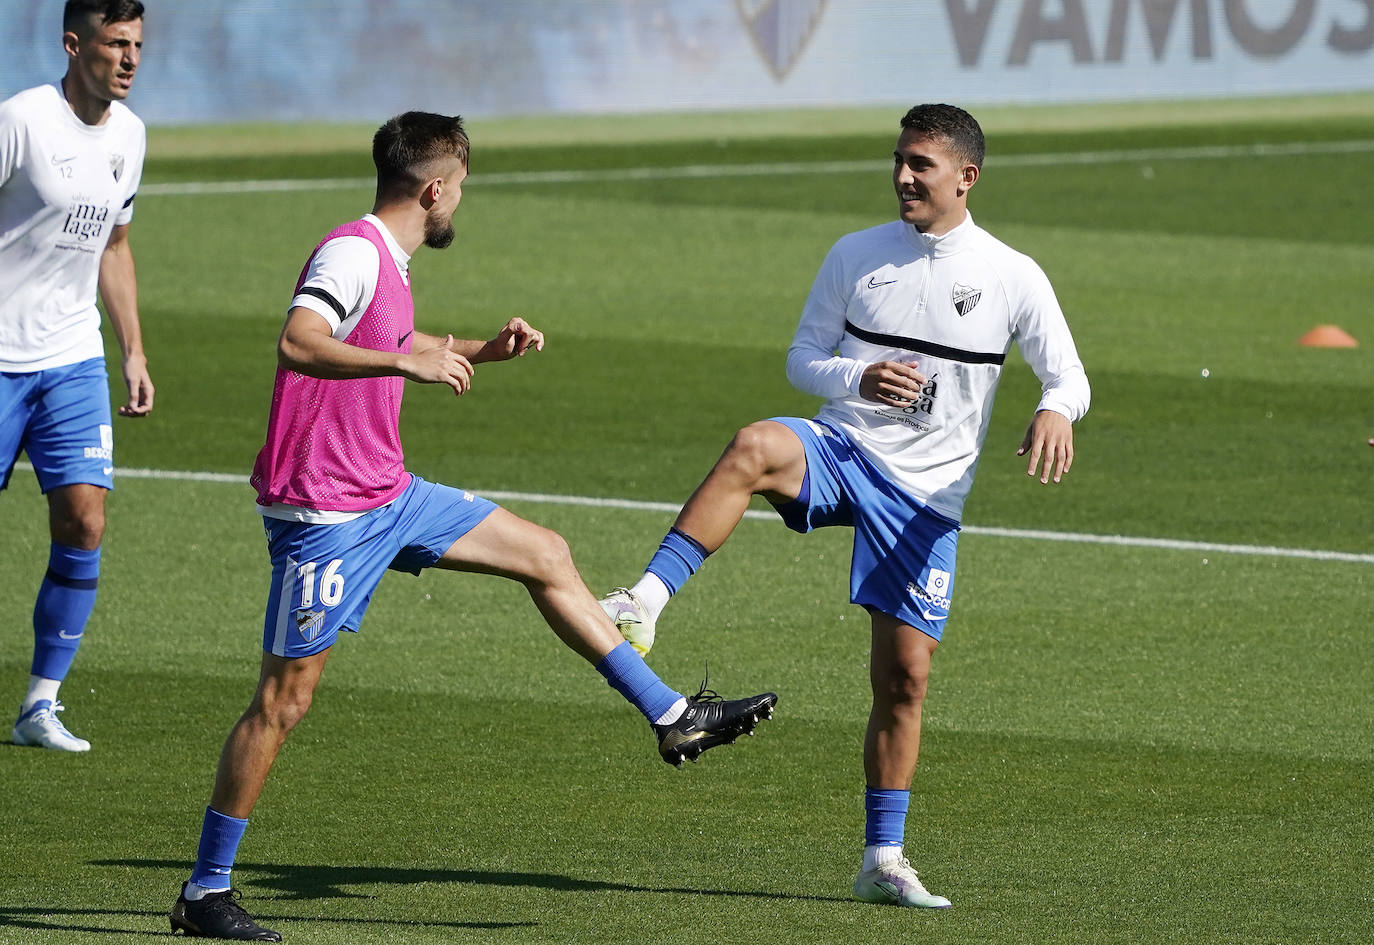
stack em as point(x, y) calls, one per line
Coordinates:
point(60, 417)
point(323, 576)
point(903, 562)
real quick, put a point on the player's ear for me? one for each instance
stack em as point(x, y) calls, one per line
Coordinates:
point(71, 43)
point(430, 195)
point(968, 176)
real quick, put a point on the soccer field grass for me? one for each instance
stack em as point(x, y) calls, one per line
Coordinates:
point(1124, 743)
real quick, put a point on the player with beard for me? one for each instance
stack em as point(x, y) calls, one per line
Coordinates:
point(340, 509)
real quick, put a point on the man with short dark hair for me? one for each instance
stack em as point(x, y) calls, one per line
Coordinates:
point(340, 509)
point(71, 157)
point(904, 334)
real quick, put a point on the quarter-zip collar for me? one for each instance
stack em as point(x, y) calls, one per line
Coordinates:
point(945, 245)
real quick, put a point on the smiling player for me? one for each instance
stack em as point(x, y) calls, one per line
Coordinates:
point(71, 157)
point(904, 333)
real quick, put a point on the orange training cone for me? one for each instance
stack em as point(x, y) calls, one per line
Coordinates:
point(1328, 336)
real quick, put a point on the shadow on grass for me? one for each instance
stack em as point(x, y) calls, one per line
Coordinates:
point(326, 882)
point(45, 919)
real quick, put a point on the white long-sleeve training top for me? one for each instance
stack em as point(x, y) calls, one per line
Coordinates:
point(952, 305)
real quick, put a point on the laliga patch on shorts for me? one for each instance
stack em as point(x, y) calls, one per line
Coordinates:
point(309, 624)
point(937, 583)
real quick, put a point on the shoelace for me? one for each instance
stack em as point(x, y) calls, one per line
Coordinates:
point(50, 713)
point(704, 694)
point(227, 902)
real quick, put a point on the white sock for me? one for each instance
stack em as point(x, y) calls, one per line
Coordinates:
point(881, 855)
point(195, 891)
point(653, 594)
point(40, 689)
point(674, 712)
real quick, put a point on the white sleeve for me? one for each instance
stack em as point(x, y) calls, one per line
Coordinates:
point(11, 145)
point(340, 281)
point(1042, 335)
point(812, 364)
point(126, 212)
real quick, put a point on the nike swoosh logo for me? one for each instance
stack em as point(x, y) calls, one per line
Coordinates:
point(57, 162)
point(70, 636)
point(402, 340)
point(874, 285)
point(107, 469)
point(889, 888)
point(930, 616)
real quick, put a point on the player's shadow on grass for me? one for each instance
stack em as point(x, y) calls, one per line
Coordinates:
point(327, 882)
point(51, 919)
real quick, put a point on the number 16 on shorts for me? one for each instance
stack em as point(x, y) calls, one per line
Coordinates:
point(302, 618)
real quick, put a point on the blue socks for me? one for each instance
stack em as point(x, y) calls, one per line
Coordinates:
point(219, 843)
point(65, 601)
point(630, 676)
point(677, 559)
point(885, 824)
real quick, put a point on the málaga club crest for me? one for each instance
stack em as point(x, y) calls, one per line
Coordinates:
point(965, 298)
point(780, 29)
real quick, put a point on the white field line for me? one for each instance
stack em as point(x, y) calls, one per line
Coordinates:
point(1167, 544)
point(785, 168)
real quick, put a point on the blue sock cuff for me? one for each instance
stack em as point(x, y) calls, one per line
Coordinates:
point(628, 674)
point(678, 557)
point(73, 564)
point(219, 844)
point(885, 824)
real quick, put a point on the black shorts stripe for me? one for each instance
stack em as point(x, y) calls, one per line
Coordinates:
point(80, 584)
point(925, 347)
point(129, 201)
point(326, 298)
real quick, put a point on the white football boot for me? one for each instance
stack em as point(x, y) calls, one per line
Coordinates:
point(896, 884)
point(631, 618)
point(41, 728)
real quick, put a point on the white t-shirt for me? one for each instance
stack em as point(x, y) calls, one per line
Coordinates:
point(64, 186)
point(952, 304)
point(342, 278)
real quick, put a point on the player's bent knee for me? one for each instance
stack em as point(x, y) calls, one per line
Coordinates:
point(550, 558)
point(751, 453)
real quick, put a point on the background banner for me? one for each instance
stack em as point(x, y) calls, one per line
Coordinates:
point(216, 60)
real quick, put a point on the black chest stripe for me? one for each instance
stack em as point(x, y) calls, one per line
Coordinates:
point(924, 347)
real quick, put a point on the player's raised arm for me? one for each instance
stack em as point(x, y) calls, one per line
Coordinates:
point(307, 346)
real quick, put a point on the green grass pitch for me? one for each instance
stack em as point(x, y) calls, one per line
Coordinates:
point(1123, 744)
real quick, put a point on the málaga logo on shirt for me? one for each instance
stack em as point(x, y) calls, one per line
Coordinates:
point(965, 298)
point(116, 165)
point(780, 29)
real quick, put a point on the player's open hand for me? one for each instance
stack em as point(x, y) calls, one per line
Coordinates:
point(894, 383)
point(140, 387)
point(441, 365)
point(513, 340)
point(1049, 440)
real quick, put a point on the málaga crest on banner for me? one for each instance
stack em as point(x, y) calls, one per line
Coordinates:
point(780, 29)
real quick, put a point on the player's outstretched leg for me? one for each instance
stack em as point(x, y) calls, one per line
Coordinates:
point(507, 545)
point(218, 915)
point(709, 721)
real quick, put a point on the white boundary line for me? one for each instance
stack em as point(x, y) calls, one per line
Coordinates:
point(1167, 544)
point(705, 171)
